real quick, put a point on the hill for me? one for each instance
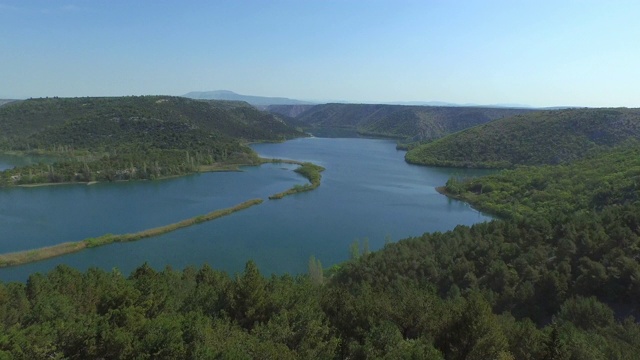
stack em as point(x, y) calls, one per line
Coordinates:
point(544, 137)
point(259, 101)
point(412, 123)
point(6, 101)
point(234, 119)
point(132, 137)
point(291, 111)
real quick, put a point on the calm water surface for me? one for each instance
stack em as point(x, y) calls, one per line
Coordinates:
point(367, 191)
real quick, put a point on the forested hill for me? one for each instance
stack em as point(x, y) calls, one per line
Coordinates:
point(6, 101)
point(411, 123)
point(546, 137)
point(132, 137)
point(291, 111)
point(234, 119)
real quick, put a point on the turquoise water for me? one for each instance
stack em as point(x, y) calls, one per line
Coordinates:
point(367, 191)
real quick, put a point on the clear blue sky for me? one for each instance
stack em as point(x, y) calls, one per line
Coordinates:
point(540, 53)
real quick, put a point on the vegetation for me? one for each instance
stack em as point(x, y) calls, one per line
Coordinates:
point(24, 257)
point(410, 123)
point(535, 138)
point(308, 170)
point(108, 139)
point(556, 277)
point(555, 192)
point(6, 101)
point(290, 111)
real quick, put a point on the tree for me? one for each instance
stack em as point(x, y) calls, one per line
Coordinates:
point(354, 250)
point(316, 273)
point(250, 298)
point(555, 345)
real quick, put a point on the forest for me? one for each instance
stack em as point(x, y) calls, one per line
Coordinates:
point(535, 138)
point(555, 276)
point(128, 138)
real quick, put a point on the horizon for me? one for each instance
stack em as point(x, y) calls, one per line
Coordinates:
point(537, 54)
point(312, 102)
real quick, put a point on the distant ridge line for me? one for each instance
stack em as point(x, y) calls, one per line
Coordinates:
point(259, 101)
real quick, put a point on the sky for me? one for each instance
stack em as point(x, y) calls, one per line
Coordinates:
point(538, 53)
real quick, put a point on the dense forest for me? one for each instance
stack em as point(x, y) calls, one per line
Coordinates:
point(408, 123)
point(131, 137)
point(557, 276)
point(536, 138)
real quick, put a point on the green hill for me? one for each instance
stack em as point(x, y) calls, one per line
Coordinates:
point(546, 137)
point(6, 101)
point(132, 137)
point(411, 123)
point(235, 119)
point(555, 191)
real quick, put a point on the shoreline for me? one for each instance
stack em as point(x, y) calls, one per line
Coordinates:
point(48, 252)
point(442, 190)
point(308, 170)
point(201, 169)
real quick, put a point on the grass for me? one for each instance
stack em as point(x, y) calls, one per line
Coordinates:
point(308, 170)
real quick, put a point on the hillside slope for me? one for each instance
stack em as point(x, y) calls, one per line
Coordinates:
point(132, 137)
point(546, 137)
point(6, 101)
point(291, 111)
point(412, 123)
point(234, 119)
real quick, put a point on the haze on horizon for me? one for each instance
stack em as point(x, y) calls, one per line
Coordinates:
point(538, 53)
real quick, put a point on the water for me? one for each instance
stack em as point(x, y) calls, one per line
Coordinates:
point(367, 191)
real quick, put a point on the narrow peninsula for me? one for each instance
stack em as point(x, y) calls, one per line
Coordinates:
point(28, 256)
point(308, 170)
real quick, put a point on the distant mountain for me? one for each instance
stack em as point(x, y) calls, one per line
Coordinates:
point(536, 138)
point(411, 123)
point(259, 101)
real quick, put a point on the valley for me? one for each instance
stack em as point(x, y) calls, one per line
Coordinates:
point(551, 253)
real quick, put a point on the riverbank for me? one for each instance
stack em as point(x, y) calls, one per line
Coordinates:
point(443, 191)
point(219, 167)
point(28, 256)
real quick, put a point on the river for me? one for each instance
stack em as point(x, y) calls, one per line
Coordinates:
point(367, 191)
